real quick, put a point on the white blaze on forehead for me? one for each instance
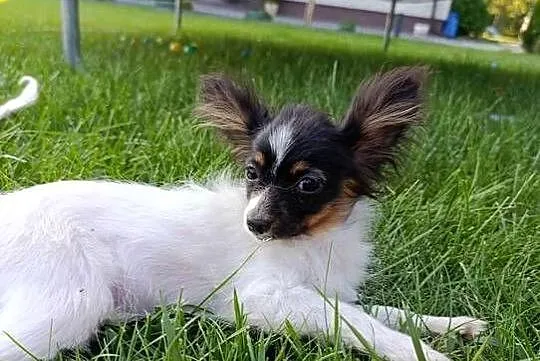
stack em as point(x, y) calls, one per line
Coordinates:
point(252, 204)
point(280, 140)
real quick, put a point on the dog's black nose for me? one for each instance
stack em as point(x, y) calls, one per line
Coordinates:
point(259, 225)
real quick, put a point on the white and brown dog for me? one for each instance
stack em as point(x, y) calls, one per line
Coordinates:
point(77, 253)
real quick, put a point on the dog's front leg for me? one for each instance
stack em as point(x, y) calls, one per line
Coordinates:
point(268, 306)
point(468, 327)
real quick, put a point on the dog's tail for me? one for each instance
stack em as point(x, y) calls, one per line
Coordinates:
point(28, 96)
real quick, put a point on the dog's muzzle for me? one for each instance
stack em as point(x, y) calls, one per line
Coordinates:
point(259, 226)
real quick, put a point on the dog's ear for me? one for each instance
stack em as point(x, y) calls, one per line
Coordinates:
point(381, 113)
point(234, 109)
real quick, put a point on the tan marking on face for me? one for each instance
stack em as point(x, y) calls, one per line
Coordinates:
point(334, 213)
point(299, 167)
point(259, 158)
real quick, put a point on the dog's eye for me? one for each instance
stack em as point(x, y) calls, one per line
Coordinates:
point(310, 185)
point(251, 173)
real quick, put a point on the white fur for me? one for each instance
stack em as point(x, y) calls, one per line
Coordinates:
point(251, 205)
point(76, 253)
point(280, 140)
point(468, 327)
point(28, 96)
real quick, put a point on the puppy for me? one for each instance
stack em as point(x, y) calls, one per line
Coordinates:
point(291, 239)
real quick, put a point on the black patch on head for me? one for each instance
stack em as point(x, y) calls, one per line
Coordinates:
point(315, 141)
point(347, 159)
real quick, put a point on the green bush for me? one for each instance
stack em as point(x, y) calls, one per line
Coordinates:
point(473, 16)
point(347, 26)
point(536, 46)
point(531, 36)
point(187, 5)
point(170, 4)
point(258, 15)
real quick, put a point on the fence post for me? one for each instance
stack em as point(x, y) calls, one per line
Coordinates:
point(177, 16)
point(388, 25)
point(432, 17)
point(308, 12)
point(71, 34)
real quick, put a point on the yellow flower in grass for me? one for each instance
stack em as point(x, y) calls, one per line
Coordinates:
point(174, 46)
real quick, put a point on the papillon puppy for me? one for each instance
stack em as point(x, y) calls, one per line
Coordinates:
point(291, 240)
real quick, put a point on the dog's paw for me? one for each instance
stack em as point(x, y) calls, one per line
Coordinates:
point(468, 327)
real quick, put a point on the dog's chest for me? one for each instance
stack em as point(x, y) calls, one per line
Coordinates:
point(335, 266)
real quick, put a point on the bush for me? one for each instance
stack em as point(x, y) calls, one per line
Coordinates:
point(509, 14)
point(187, 5)
point(531, 36)
point(347, 26)
point(473, 16)
point(536, 46)
point(258, 15)
point(170, 4)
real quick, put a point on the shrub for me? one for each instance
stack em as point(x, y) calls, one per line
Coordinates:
point(187, 5)
point(347, 26)
point(473, 16)
point(509, 14)
point(258, 15)
point(170, 4)
point(536, 46)
point(531, 36)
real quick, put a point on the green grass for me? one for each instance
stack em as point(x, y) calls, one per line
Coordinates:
point(459, 230)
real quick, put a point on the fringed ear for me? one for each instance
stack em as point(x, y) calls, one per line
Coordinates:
point(381, 113)
point(235, 110)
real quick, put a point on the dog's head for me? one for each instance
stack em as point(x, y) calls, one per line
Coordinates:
point(303, 173)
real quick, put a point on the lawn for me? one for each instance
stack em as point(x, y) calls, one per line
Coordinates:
point(459, 231)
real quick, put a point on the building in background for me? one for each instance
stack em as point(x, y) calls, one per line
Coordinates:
point(412, 16)
point(424, 14)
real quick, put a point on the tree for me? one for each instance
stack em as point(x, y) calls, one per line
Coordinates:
point(508, 15)
point(473, 16)
point(531, 36)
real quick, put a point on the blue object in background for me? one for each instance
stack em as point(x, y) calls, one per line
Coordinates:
point(450, 26)
point(398, 22)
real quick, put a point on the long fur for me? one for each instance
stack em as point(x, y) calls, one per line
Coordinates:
point(77, 253)
point(233, 109)
point(384, 108)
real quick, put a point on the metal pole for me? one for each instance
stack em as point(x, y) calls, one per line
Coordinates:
point(71, 34)
point(432, 19)
point(177, 16)
point(388, 25)
point(308, 15)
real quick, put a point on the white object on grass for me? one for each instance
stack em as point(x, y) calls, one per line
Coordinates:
point(421, 29)
point(28, 96)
